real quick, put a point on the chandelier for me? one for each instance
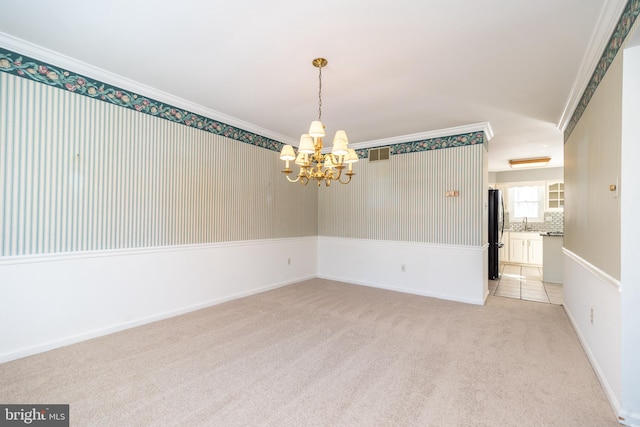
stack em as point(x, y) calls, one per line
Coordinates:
point(313, 164)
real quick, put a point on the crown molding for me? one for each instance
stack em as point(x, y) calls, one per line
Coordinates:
point(63, 61)
point(459, 136)
point(605, 25)
point(457, 130)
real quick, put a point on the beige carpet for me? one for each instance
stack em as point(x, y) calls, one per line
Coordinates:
point(326, 353)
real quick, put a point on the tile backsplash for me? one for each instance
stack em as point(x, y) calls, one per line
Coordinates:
point(554, 221)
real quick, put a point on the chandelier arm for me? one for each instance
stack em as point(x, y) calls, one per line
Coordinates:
point(348, 180)
point(339, 174)
point(326, 174)
point(293, 180)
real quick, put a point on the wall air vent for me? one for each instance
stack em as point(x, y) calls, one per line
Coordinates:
point(376, 154)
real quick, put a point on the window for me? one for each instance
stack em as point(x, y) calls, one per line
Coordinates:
point(527, 201)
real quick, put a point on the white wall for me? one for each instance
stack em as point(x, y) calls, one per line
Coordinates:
point(110, 218)
point(50, 301)
point(431, 270)
point(630, 268)
point(396, 212)
point(592, 231)
point(588, 288)
point(602, 232)
point(126, 218)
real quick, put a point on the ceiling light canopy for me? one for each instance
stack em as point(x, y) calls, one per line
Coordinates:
point(313, 164)
point(536, 162)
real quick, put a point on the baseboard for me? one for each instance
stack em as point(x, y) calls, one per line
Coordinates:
point(139, 322)
point(404, 290)
point(631, 419)
point(615, 405)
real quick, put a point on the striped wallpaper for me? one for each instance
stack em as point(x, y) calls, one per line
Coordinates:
point(403, 199)
point(77, 174)
point(593, 161)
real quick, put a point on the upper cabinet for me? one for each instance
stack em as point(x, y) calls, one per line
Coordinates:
point(555, 195)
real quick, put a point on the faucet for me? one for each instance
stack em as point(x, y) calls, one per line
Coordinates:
point(526, 223)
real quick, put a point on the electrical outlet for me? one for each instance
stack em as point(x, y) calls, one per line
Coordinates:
point(591, 316)
point(403, 268)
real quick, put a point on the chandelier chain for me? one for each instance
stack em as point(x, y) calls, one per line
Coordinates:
point(320, 94)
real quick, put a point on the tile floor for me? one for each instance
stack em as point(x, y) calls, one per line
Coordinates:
point(525, 282)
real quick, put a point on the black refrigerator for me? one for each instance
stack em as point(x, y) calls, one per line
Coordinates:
point(496, 229)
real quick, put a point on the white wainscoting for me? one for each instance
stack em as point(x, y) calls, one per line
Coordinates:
point(49, 301)
point(457, 273)
point(585, 288)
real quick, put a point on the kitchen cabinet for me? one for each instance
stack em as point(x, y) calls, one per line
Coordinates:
point(555, 195)
point(535, 251)
point(517, 248)
point(525, 248)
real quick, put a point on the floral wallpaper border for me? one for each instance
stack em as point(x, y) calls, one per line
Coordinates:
point(32, 69)
point(629, 15)
point(471, 138)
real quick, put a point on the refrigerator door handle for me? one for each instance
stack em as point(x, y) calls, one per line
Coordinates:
point(502, 228)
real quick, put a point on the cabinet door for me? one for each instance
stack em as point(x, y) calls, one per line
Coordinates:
point(555, 196)
point(535, 251)
point(518, 250)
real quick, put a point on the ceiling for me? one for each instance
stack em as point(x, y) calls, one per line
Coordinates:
point(395, 68)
